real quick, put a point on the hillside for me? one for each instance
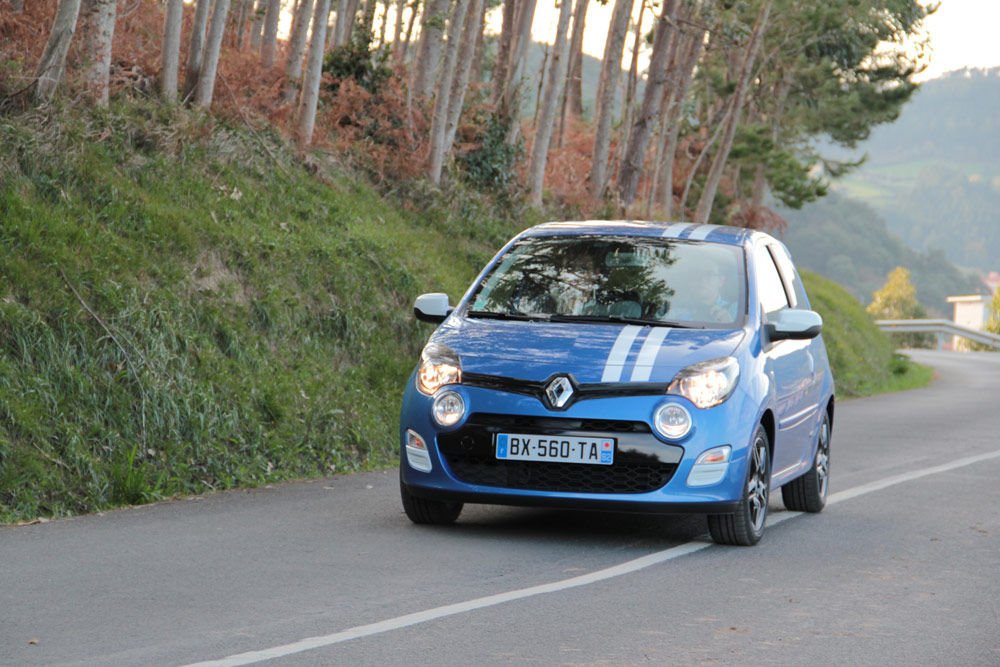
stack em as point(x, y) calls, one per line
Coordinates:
point(186, 306)
point(934, 174)
point(846, 241)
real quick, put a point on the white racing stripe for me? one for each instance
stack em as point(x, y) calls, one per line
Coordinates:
point(619, 353)
point(676, 228)
point(628, 567)
point(647, 355)
point(702, 232)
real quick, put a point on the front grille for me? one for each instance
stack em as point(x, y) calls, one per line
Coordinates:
point(638, 468)
point(576, 477)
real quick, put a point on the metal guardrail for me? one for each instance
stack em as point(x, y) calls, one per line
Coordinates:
point(940, 327)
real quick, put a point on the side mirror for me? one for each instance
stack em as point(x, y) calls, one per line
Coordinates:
point(432, 307)
point(793, 325)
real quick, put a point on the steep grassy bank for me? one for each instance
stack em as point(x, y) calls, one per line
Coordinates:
point(185, 307)
point(180, 311)
point(863, 359)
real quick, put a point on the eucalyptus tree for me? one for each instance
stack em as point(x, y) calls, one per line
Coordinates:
point(439, 121)
point(635, 155)
point(297, 48)
point(269, 39)
point(432, 25)
point(555, 81)
point(196, 47)
point(52, 64)
point(314, 74)
point(100, 17)
point(170, 56)
point(714, 177)
point(606, 88)
point(213, 48)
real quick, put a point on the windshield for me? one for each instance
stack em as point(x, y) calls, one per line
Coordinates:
point(599, 278)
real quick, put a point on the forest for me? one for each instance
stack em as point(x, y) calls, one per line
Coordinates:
point(701, 108)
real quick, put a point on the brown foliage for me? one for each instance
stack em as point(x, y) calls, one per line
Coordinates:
point(374, 128)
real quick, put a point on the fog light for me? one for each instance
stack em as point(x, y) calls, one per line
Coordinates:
point(416, 452)
point(710, 467)
point(448, 408)
point(672, 421)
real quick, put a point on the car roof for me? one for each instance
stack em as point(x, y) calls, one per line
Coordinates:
point(685, 231)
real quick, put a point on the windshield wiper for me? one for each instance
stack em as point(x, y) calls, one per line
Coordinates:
point(494, 315)
point(641, 321)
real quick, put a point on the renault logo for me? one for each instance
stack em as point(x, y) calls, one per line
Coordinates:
point(559, 392)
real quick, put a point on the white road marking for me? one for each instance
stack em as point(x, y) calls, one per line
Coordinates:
point(647, 355)
point(619, 354)
point(628, 567)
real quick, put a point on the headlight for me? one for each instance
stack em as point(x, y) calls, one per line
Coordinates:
point(448, 408)
point(672, 421)
point(707, 384)
point(439, 365)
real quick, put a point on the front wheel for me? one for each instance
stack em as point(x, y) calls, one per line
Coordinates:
point(808, 492)
point(428, 511)
point(745, 526)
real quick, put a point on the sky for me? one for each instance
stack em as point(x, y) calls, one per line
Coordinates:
point(963, 34)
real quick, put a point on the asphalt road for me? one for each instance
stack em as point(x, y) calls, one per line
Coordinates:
point(903, 567)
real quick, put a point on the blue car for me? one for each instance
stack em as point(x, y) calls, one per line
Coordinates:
point(623, 366)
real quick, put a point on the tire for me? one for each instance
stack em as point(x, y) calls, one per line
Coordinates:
point(745, 526)
point(427, 511)
point(808, 492)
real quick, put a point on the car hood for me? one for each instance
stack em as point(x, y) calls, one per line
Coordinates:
point(590, 352)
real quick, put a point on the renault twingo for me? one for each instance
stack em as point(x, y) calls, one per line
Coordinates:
point(623, 366)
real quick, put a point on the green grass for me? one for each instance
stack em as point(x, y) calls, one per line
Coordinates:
point(185, 307)
point(863, 359)
point(180, 317)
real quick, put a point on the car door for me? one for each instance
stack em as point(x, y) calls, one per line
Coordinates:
point(791, 367)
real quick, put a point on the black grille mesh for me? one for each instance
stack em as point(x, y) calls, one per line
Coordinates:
point(469, 454)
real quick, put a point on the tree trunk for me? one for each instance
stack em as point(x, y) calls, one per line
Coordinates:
point(314, 73)
point(611, 67)
point(397, 32)
point(53, 62)
point(574, 84)
point(707, 199)
point(257, 25)
point(510, 106)
point(241, 22)
point(439, 122)
point(432, 29)
point(296, 49)
point(555, 81)
point(685, 74)
point(196, 50)
point(717, 121)
point(269, 43)
point(631, 166)
point(213, 47)
point(347, 11)
point(172, 24)
point(409, 31)
point(99, 35)
point(503, 50)
point(471, 38)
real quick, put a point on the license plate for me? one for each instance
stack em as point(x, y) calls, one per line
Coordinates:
point(557, 448)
